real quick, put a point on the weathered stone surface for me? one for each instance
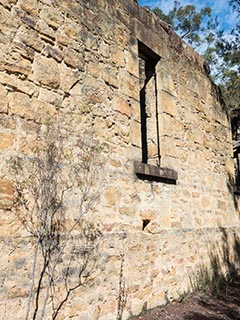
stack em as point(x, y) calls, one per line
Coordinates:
point(69, 78)
point(6, 192)
point(20, 104)
point(109, 75)
point(122, 106)
point(53, 52)
point(6, 140)
point(73, 58)
point(3, 99)
point(104, 50)
point(79, 64)
point(30, 6)
point(43, 111)
point(15, 64)
point(29, 37)
point(7, 122)
point(50, 97)
point(15, 83)
point(45, 32)
point(51, 16)
point(25, 17)
point(118, 56)
point(46, 71)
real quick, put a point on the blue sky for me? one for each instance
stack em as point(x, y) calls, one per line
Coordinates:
point(219, 8)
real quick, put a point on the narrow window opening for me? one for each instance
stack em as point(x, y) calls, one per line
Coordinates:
point(149, 105)
point(235, 122)
point(149, 168)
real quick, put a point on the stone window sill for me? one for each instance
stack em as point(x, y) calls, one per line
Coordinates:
point(149, 172)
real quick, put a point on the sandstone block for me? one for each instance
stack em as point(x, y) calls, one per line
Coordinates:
point(165, 81)
point(156, 300)
point(50, 97)
point(121, 36)
point(3, 99)
point(8, 3)
point(152, 149)
point(68, 77)
point(52, 17)
point(73, 58)
point(7, 122)
point(109, 75)
point(46, 72)
point(6, 192)
point(121, 106)
point(53, 52)
point(14, 82)
point(72, 30)
point(20, 104)
point(17, 292)
point(128, 84)
point(148, 214)
point(45, 32)
point(112, 196)
point(132, 63)
point(21, 66)
point(25, 51)
point(6, 140)
point(29, 37)
point(118, 56)
point(25, 17)
point(28, 87)
point(168, 146)
point(128, 211)
point(135, 134)
point(94, 69)
point(42, 110)
point(168, 103)
point(104, 50)
point(30, 6)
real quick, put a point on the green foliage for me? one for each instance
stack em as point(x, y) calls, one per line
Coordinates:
point(221, 49)
point(187, 20)
point(164, 17)
point(228, 49)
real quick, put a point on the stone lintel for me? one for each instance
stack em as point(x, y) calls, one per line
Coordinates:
point(153, 173)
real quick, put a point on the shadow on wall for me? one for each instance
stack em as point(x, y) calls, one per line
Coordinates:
point(231, 188)
point(220, 281)
point(224, 265)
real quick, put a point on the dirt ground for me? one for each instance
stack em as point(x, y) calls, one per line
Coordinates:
point(224, 305)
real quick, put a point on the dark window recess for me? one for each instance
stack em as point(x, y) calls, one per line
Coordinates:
point(150, 169)
point(236, 153)
point(148, 103)
point(235, 122)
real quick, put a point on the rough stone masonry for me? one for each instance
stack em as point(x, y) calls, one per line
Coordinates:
point(167, 202)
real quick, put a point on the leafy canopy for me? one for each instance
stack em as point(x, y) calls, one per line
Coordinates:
point(220, 48)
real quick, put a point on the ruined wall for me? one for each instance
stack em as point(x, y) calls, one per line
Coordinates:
point(82, 58)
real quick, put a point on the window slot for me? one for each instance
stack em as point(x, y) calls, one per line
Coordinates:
point(149, 105)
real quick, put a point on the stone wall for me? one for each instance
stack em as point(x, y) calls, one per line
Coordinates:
point(81, 58)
